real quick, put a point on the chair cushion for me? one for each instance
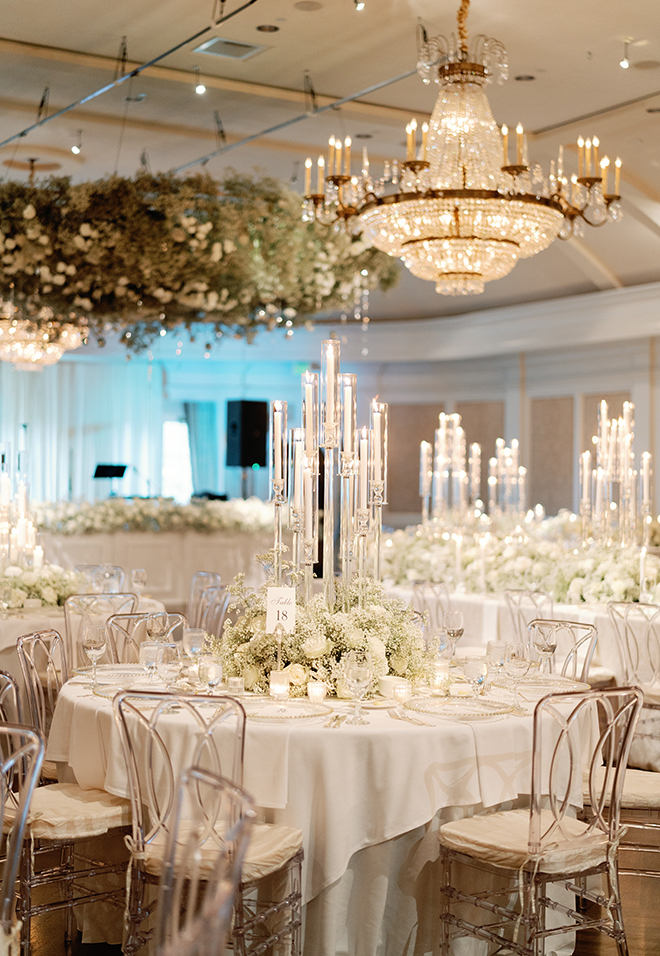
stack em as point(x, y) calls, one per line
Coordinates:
point(502, 839)
point(62, 811)
point(641, 789)
point(271, 846)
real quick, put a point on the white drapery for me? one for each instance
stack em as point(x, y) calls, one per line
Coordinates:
point(79, 414)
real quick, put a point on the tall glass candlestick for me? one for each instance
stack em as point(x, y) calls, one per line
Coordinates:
point(309, 520)
point(378, 473)
point(349, 461)
point(278, 458)
point(296, 452)
point(425, 476)
point(330, 418)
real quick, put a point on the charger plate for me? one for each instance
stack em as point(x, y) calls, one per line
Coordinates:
point(458, 708)
point(539, 685)
point(268, 709)
point(109, 672)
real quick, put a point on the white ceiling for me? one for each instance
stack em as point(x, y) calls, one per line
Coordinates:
point(572, 48)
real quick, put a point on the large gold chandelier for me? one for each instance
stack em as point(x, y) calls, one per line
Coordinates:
point(462, 210)
point(32, 343)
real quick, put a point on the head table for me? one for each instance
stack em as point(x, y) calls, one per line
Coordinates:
point(368, 799)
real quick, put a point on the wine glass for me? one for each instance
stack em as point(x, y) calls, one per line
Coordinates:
point(545, 643)
point(169, 664)
point(358, 673)
point(516, 665)
point(94, 642)
point(148, 655)
point(495, 656)
point(157, 625)
point(210, 671)
point(475, 670)
point(454, 626)
point(138, 581)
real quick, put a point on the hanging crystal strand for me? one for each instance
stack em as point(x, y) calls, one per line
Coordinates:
point(330, 410)
point(378, 474)
point(363, 510)
point(278, 471)
point(348, 398)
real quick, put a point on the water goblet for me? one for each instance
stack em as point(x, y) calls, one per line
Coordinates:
point(475, 670)
point(358, 673)
point(516, 665)
point(148, 655)
point(193, 642)
point(157, 625)
point(138, 581)
point(454, 626)
point(544, 641)
point(169, 664)
point(94, 642)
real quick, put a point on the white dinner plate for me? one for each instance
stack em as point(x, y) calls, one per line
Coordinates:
point(108, 672)
point(268, 709)
point(458, 708)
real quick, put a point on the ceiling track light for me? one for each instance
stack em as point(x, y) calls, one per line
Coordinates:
point(359, 4)
point(77, 146)
point(199, 86)
point(625, 62)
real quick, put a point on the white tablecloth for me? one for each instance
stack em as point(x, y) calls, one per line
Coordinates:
point(487, 618)
point(367, 799)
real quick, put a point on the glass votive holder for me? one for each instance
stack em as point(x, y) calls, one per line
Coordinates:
point(316, 691)
point(440, 676)
point(236, 686)
point(279, 685)
point(402, 691)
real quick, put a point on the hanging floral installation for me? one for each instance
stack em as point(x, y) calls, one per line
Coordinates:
point(138, 255)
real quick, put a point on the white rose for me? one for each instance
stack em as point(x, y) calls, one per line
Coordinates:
point(16, 597)
point(250, 676)
point(30, 578)
point(342, 688)
point(13, 572)
point(49, 595)
point(297, 674)
point(29, 212)
point(315, 646)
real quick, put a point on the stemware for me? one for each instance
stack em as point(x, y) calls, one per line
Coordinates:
point(358, 673)
point(516, 665)
point(193, 642)
point(545, 644)
point(475, 670)
point(209, 671)
point(454, 626)
point(138, 581)
point(94, 642)
point(157, 625)
point(169, 664)
point(148, 655)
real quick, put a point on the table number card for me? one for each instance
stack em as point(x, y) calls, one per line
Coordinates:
point(281, 609)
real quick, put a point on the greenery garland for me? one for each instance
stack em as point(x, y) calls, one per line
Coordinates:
point(137, 255)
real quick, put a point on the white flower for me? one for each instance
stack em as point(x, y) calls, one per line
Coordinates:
point(85, 229)
point(29, 212)
point(297, 674)
point(49, 595)
point(315, 646)
point(30, 578)
point(250, 676)
point(13, 572)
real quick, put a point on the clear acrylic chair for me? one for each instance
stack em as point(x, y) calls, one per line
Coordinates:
point(127, 631)
point(11, 708)
point(103, 578)
point(434, 599)
point(198, 583)
point(83, 609)
point(62, 816)
point(151, 741)
point(201, 869)
point(213, 606)
point(527, 850)
point(21, 756)
point(526, 605)
point(576, 645)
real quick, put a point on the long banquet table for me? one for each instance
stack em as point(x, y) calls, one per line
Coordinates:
point(369, 800)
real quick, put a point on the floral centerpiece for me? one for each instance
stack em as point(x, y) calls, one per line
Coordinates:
point(159, 251)
point(251, 516)
point(51, 585)
point(384, 627)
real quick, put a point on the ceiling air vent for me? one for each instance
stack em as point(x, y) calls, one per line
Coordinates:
point(231, 49)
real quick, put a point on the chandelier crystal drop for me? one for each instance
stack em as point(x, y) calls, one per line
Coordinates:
point(460, 211)
point(31, 344)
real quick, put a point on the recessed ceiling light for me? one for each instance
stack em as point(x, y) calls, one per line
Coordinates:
point(268, 28)
point(525, 78)
point(138, 98)
point(308, 5)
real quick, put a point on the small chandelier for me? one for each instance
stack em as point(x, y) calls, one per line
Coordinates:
point(31, 344)
point(461, 211)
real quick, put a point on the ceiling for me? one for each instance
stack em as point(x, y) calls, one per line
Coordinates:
point(571, 49)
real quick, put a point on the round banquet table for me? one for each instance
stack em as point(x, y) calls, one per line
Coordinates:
point(368, 799)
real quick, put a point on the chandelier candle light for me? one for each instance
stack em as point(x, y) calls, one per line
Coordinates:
point(460, 211)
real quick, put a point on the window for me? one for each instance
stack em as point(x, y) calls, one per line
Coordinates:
point(177, 473)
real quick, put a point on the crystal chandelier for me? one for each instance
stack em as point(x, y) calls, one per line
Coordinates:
point(32, 343)
point(461, 211)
